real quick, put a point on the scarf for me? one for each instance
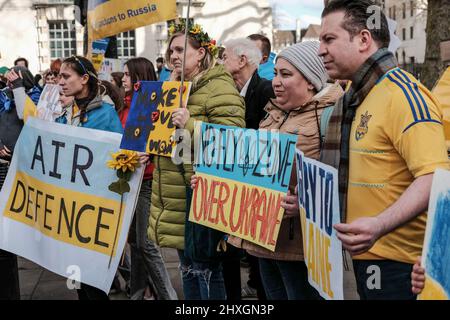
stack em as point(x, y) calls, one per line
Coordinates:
point(336, 151)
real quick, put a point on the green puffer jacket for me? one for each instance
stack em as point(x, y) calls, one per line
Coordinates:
point(214, 100)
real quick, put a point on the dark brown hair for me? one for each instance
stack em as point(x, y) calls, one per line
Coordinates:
point(117, 76)
point(357, 15)
point(141, 69)
point(21, 59)
point(114, 93)
point(266, 46)
point(83, 66)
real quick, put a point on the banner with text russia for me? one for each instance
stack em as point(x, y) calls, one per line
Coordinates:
point(109, 17)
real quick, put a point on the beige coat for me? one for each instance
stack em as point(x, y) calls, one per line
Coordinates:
point(304, 122)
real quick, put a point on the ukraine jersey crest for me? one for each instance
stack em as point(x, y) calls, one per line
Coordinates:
point(363, 126)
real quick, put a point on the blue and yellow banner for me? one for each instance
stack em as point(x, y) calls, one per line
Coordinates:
point(55, 206)
point(242, 177)
point(98, 52)
point(110, 17)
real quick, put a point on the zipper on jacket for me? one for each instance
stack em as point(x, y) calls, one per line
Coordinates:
point(284, 120)
point(161, 201)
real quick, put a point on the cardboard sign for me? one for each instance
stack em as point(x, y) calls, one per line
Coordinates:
point(319, 210)
point(242, 177)
point(149, 126)
point(98, 52)
point(436, 253)
point(49, 108)
point(55, 206)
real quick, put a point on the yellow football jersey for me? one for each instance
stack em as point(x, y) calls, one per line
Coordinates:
point(396, 136)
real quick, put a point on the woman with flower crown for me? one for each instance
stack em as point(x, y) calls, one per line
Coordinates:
point(213, 99)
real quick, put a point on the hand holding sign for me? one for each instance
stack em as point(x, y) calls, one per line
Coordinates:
point(5, 152)
point(143, 157)
point(418, 277)
point(180, 117)
point(360, 235)
point(290, 205)
point(194, 181)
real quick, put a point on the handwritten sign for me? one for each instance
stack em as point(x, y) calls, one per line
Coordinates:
point(436, 254)
point(149, 126)
point(242, 177)
point(49, 108)
point(55, 206)
point(319, 211)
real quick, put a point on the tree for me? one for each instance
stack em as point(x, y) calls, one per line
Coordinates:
point(438, 29)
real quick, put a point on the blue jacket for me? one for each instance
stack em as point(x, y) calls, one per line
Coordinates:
point(99, 115)
point(265, 70)
point(10, 124)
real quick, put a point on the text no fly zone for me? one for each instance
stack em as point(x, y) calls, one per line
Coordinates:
point(247, 152)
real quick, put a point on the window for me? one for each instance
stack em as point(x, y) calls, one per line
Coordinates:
point(404, 10)
point(412, 8)
point(411, 31)
point(412, 60)
point(394, 13)
point(404, 34)
point(404, 57)
point(63, 43)
point(390, 13)
point(126, 44)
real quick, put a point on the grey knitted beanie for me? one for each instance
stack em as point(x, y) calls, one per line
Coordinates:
point(304, 57)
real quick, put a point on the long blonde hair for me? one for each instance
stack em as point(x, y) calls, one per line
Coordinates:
point(206, 64)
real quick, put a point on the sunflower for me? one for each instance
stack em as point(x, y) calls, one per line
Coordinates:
point(172, 29)
point(196, 29)
point(124, 160)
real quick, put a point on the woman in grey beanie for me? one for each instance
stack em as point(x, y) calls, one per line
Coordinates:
point(301, 96)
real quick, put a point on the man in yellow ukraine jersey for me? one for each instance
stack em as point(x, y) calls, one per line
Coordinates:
point(386, 138)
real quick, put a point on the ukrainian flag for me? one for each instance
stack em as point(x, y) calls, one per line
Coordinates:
point(109, 17)
point(30, 109)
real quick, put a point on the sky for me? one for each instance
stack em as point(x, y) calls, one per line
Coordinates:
point(287, 11)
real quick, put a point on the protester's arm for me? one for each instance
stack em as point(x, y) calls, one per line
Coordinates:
point(5, 153)
point(360, 235)
point(417, 277)
point(20, 97)
point(16, 82)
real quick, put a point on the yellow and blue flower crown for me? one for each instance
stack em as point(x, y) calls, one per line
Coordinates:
point(196, 32)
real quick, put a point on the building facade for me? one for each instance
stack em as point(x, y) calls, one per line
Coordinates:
point(411, 18)
point(44, 30)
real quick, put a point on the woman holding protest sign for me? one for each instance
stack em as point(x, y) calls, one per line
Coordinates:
point(300, 86)
point(301, 96)
point(90, 109)
point(213, 99)
point(147, 265)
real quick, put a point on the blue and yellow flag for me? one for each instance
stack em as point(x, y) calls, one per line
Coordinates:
point(110, 17)
point(30, 109)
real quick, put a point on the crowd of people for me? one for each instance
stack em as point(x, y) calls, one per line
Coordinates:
point(345, 98)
